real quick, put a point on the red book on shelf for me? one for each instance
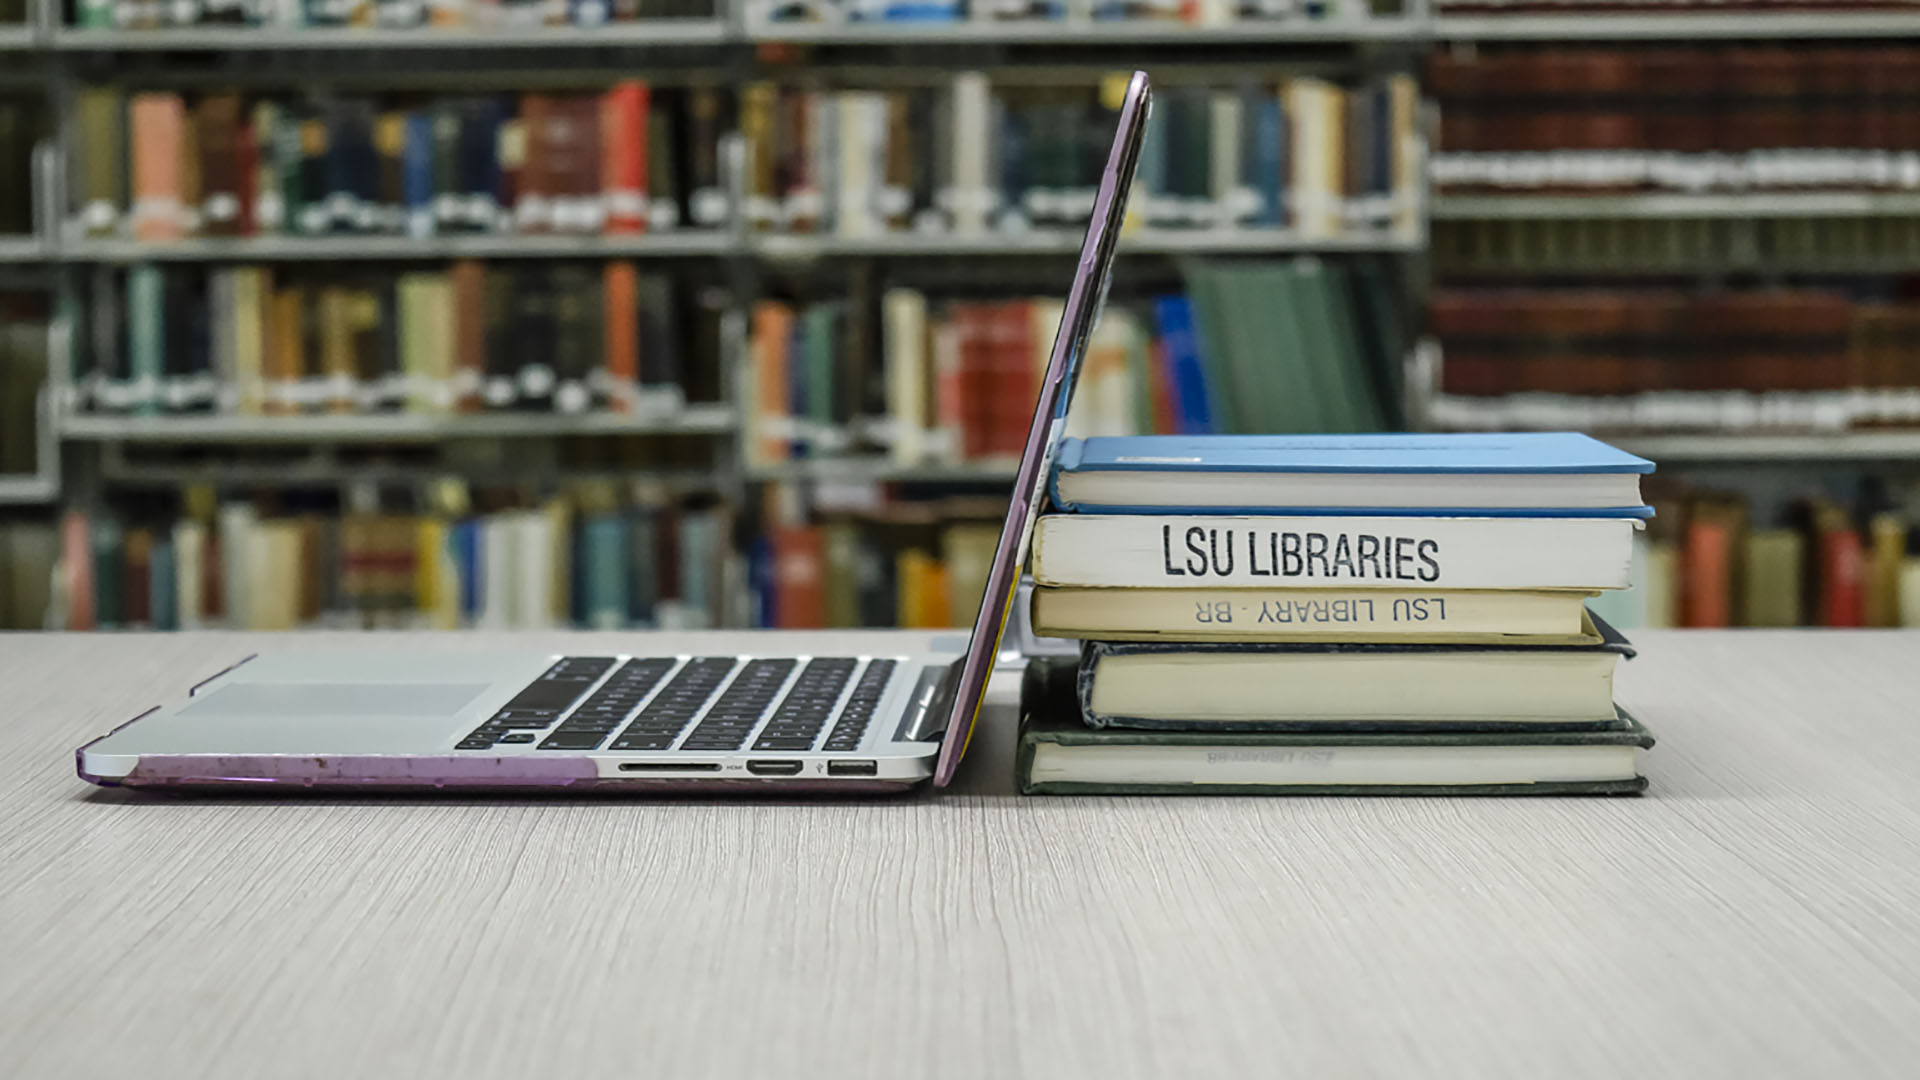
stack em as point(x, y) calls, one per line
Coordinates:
point(800, 578)
point(247, 156)
point(1842, 578)
point(1013, 386)
point(136, 579)
point(469, 331)
point(533, 186)
point(589, 198)
point(76, 568)
point(620, 297)
point(973, 327)
point(623, 155)
point(1164, 396)
point(1706, 592)
point(157, 123)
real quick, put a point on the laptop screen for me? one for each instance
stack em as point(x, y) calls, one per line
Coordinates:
point(1084, 301)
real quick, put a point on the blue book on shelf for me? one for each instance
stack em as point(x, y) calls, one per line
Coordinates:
point(416, 173)
point(463, 540)
point(1521, 474)
point(1174, 317)
point(605, 572)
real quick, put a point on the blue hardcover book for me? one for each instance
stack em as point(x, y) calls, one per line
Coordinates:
point(463, 540)
point(1174, 315)
point(605, 586)
point(1519, 474)
point(1266, 132)
point(416, 173)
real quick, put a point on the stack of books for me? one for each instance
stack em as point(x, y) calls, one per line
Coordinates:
point(1333, 614)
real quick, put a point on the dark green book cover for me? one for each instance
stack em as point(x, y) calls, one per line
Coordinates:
point(1277, 763)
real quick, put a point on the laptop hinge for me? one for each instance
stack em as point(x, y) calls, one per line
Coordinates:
point(932, 703)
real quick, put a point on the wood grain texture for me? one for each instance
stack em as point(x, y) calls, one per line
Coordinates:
point(1757, 914)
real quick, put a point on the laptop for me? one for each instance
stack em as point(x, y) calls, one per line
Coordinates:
point(841, 720)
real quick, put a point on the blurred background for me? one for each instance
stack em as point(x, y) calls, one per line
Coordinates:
point(650, 313)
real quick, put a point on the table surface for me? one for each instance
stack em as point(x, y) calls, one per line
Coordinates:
point(1757, 913)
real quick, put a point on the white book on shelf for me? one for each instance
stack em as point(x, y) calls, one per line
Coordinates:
point(533, 571)
point(236, 526)
point(1223, 171)
point(855, 181)
point(971, 193)
point(499, 535)
point(904, 336)
point(189, 556)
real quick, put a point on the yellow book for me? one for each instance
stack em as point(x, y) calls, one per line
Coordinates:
point(1773, 572)
point(1888, 536)
point(286, 359)
point(436, 585)
point(251, 287)
point(1477, 616)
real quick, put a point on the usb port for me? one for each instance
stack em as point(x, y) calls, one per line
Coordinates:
point(853, 768)
point(773, 768)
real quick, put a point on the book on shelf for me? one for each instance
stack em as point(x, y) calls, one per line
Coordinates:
point(1184, 685)
point(1647, 357)
point(605, 566)
point(846, 572)
point(1310, 155)
point(1720, 559)
point(564, 337)
point(23, 381)
point(1058, 754)
point(628, 159)
point(1535, 474)
point(1733, 118)
point(29, 551)
point(1209, 13)
point(919, 381)
point(423, 15)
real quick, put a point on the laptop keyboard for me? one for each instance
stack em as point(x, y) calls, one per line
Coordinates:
point(795, 726)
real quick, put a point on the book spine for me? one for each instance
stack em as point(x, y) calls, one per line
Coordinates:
point(623, 156)
point(1459, 553)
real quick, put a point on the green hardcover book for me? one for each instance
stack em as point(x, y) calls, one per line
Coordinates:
point(109, 561)
point(146, 336)
point(820, 334)
point(1315, 383)
point(1343, 364)
point(1058, 755)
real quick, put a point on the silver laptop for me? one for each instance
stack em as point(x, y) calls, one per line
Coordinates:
point(842, 720)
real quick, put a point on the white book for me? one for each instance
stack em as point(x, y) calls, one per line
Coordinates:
point(904, 316)
point(533, 573)
point(1153, 551)
point(236, 525)
point(1314, 114)
point(972, 164)
point(856, 183)
point(189, 562)
point(498, 534)
point(1223, 171)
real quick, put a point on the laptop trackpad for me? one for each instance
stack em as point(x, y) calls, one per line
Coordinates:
point(301, 718)
point(276, 700)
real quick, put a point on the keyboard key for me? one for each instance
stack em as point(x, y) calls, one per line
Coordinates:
point(518, 737)
point(746, 699)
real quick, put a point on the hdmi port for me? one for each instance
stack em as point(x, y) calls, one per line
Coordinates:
point(669, 766)
point(773, 768)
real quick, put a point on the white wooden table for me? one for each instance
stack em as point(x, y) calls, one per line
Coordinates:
point(1756, 914)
